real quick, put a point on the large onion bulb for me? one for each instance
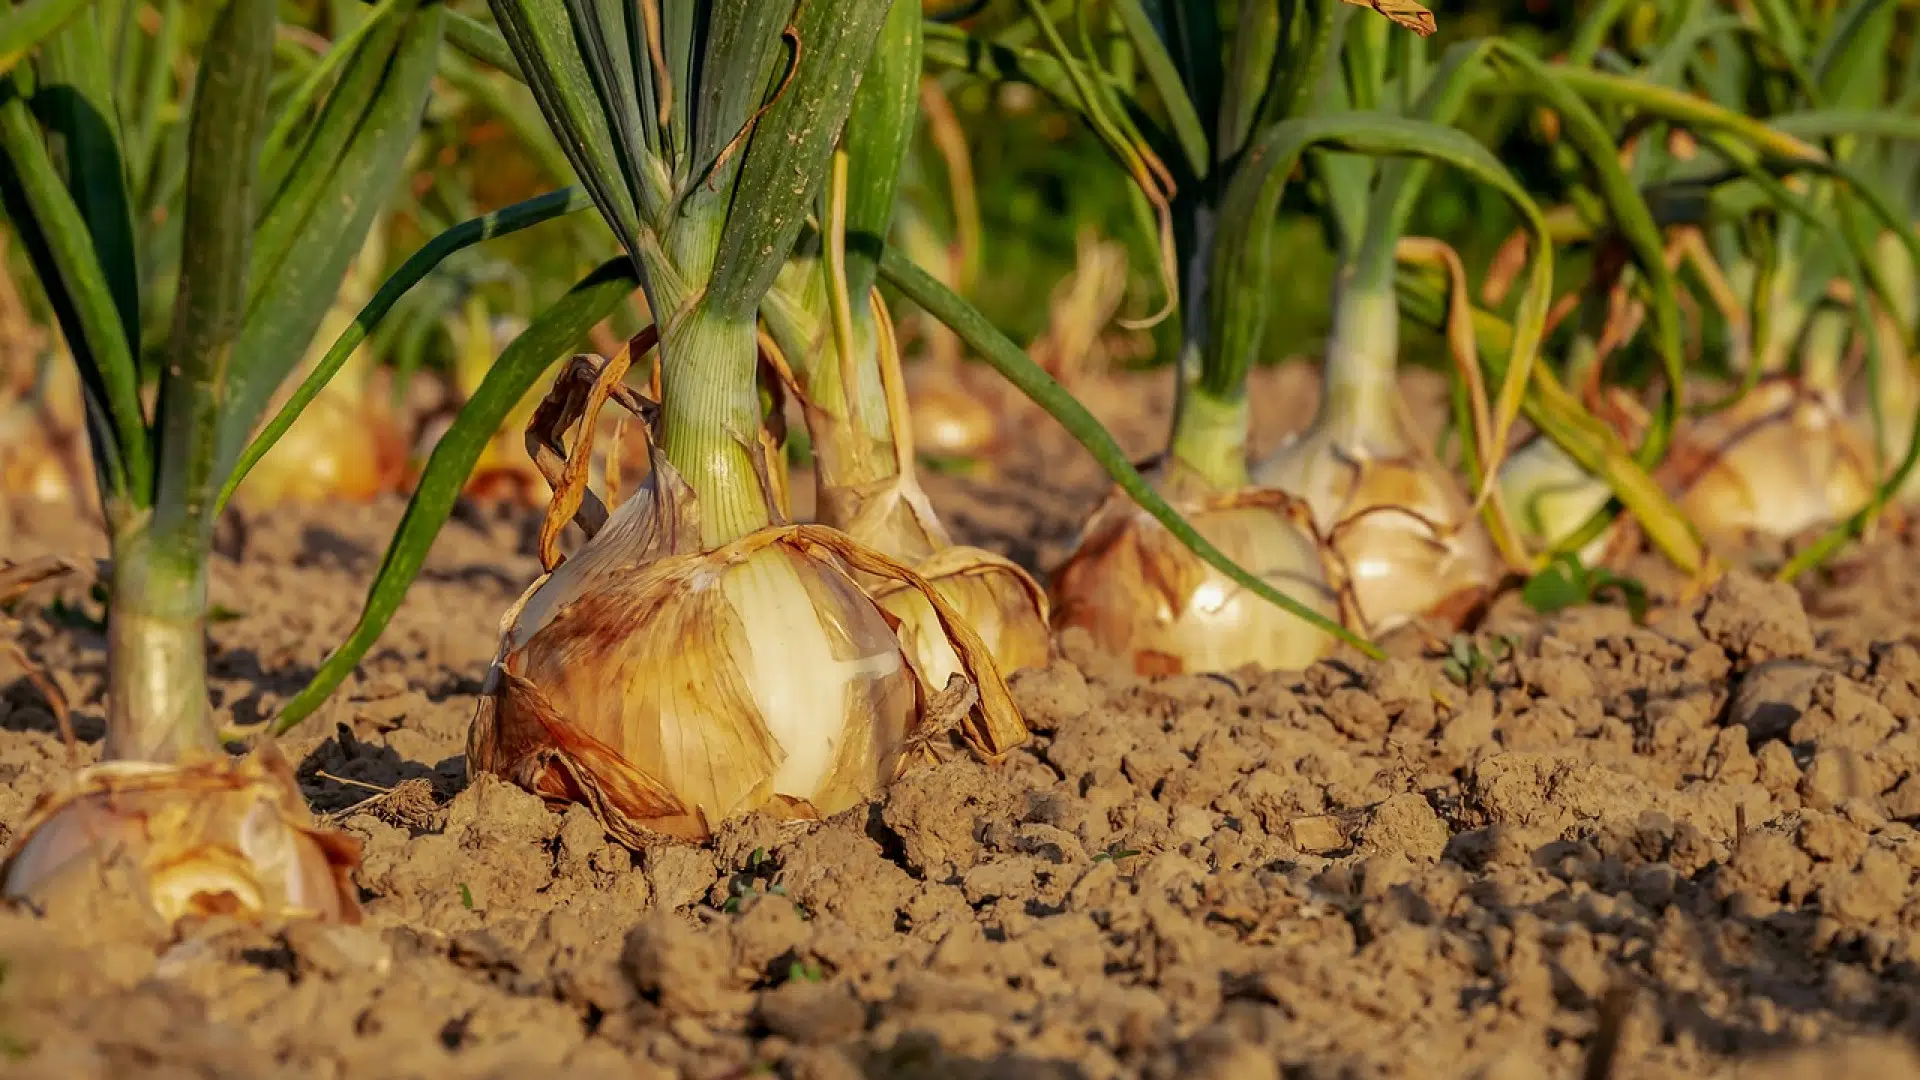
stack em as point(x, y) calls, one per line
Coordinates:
point(669, 688)
point(1144, 596)
point(208, 837)
point(1780, 460)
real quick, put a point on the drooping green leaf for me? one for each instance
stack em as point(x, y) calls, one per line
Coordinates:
point(31, 23)
point(554, 332)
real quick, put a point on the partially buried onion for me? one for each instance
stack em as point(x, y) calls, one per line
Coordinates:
point(670, 688)
point(206, 837)
point(1551, 497)
point(1144, 596)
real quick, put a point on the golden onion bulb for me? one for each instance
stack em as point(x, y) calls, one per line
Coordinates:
point(1002, 603)
point(337, 449)
point(345, 443)
point(948, 420)
point(670, 689)
point(43, 442)
point(1143, 596)
point(1397, 524)
point(208, 837)
point(994, 595)
point(1780, 460)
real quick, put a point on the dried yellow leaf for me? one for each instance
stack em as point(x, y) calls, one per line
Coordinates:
point(1414, 17)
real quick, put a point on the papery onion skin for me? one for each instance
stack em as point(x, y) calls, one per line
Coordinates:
point(1399, 527)
point(1144, 597)
point(208, 837)
point(1781, 460)
point(997, 598)
point(703, 686)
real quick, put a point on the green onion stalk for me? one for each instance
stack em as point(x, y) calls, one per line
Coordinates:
point(701, 657)
point(828, 318)
point(277, 214)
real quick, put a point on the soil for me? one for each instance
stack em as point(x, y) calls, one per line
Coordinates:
point(1683, 848)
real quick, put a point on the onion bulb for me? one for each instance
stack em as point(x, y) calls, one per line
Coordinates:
point(43, 449)
point(206, 837)
point(1780, 460)
point(949, 421)
point(670, 688)
point(1144, 596)
point(346, 444)
point(867, 486)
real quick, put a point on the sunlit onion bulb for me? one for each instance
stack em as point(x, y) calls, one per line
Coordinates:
point(1144, 597)
point(1005, 606)
point(1781, 460)
point(670, 689)
point(210, 837)
point(1398, 525)
point(949, 421)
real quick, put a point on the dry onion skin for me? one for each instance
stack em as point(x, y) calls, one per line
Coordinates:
point(1143, 596)
point(999, 600)
point(1780, 460)
point(203, 838)
point(670, 689)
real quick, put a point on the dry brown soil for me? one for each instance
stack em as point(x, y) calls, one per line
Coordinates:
point(1685, 848)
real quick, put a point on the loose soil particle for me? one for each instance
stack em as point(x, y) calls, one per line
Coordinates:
point(1687, 847)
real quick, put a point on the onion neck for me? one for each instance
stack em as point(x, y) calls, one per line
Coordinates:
point(157, 704)
point(710, 420)
point(853, 440)
point(1360, 374)
point(1210, 436)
